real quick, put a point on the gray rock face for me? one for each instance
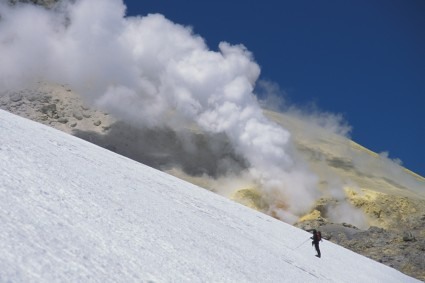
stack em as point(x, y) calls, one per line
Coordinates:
point(46, 3)
point(49, 110)
point(77, 115)
point(16, 97)
point(408, 237)
point(63, 120)
point(54, 106)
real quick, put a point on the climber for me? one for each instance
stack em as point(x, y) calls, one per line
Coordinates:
point(317, 237)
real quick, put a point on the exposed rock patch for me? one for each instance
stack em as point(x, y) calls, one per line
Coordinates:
point(45, 3)
point(56, 106)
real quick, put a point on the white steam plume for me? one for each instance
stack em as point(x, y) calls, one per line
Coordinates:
point(158, 73)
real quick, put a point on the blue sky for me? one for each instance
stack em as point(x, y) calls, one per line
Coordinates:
point(362, 59)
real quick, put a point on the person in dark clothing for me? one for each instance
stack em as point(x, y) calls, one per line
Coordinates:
point(317, 237)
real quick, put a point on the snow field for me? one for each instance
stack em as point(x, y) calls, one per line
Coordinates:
point(73, 212)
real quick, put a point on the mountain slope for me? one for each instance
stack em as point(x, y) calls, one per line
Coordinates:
point(384, 194)
point(72, 211)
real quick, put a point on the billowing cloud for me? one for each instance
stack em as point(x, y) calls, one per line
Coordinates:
point(157, 73)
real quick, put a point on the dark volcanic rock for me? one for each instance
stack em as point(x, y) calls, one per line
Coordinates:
point(45, 3)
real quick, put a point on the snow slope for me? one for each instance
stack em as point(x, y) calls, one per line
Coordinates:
point(73, 212)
